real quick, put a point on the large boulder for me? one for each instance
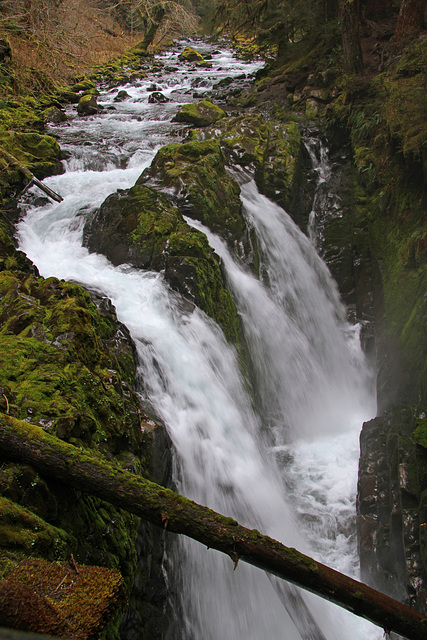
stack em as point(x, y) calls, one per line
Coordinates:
point(193, 174)
point(88, 105)
point(139, 226)
point(192, 55)
point(200, 114)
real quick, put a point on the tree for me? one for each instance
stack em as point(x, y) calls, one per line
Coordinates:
point(411, 18)
point(65, 463)
point(353, 60)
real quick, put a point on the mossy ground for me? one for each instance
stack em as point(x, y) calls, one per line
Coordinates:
point(73, 602)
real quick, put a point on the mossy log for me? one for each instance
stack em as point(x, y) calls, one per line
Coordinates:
point(50, 456)
point(27, 173)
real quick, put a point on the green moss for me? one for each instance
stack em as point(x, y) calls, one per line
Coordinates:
point(200, 114)
point(21, 531)
point(196, 170)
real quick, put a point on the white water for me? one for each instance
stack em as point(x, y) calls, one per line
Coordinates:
point(287, 466)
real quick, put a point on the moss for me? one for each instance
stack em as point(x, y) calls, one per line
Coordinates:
point(200, 114)
point(196, 171)
point(80, 602)
point(21, 531)
point(192, 55)
point(273, 149)
point(39, 153)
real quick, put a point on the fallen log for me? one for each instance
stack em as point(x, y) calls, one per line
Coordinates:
point(32, 179)
point(22, 442)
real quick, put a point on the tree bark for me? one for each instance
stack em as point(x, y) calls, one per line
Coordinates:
point(353, 60)
point(377, 9)
point(411, 18)
point(52, 457)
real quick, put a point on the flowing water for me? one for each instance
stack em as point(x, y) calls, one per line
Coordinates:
point(281, 456)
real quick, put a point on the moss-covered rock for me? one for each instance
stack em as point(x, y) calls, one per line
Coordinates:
point(194, 175)
point(139, 226)
point(192, 55)
point(200, 114)
point(88, 105)
point(273, 150)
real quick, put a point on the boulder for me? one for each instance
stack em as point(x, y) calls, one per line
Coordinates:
point(193, 174)
point(88, 105)
point(157, 98)
point(121, 96)
point(139, 226)
point(54, 115)
point(200, 114)
point(191, 55)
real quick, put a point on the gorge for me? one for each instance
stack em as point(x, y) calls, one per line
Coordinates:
point(262, 424)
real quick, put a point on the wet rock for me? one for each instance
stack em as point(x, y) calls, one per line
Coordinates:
point(87, 106)
point(54, 115)
point(121, 96)
point(272, 150)
point(191, 55)
point(157, 97)
point(201, 114)
point(391, 507)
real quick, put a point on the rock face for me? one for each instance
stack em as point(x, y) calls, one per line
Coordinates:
point(392, 507)
point(71, 370)
point(273, 150)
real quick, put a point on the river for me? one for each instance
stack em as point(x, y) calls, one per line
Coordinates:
point(283, 458)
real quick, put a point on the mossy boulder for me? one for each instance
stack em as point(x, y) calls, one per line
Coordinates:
point(88, 105)
point(200, 114)
point(273, 150)
point(192, 55)
point(194, 175)
point(139, 226)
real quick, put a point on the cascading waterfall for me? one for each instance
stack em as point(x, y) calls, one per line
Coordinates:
point(284, 461)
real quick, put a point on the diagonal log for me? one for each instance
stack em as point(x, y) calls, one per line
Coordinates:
point(22, 442)
point(32, 179)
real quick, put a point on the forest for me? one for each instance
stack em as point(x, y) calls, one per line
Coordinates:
point(82, 457)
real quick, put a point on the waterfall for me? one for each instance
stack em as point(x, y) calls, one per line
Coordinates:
point(281, 457)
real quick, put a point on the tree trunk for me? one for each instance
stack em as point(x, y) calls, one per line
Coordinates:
point(377, 9)
point(411, 18)
point(52, 457)
point(353, 61)
point(330, 9)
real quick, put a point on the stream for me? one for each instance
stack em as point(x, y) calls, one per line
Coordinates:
point(281, 457)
